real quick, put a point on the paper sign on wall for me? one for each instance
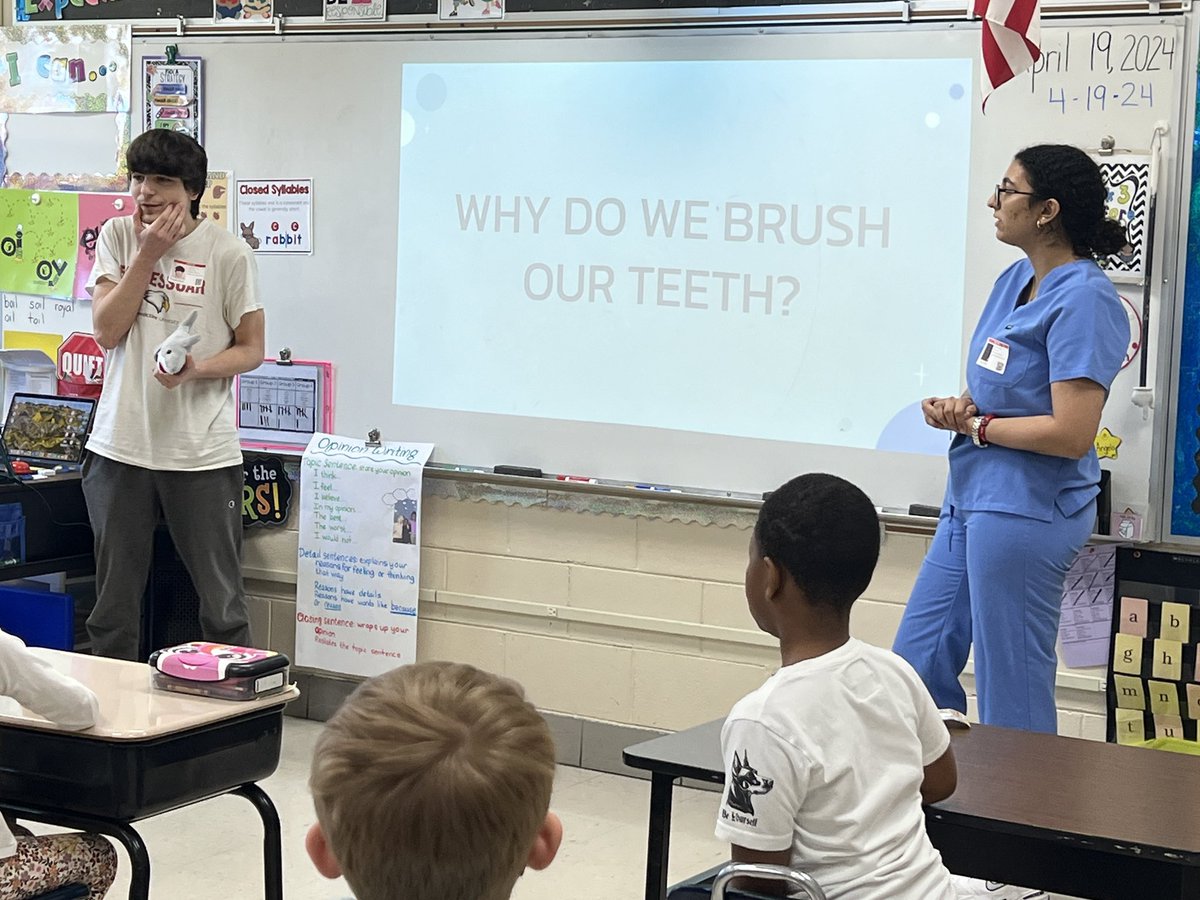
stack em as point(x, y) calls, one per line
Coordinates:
point(58, 68)
point(214, 205)
point(94, 211)
point(470, 9)
point(1128, 180)
point(358, 574)
point(275, 216)
point(38, 233)
point(355, 10)
point(172, 95)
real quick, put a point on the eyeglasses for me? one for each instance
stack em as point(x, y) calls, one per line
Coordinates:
point(1007, 190)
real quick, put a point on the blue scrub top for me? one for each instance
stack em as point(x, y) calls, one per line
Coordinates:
point(1076, 327)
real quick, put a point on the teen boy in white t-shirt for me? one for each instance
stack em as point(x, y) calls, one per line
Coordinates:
point(169, 441)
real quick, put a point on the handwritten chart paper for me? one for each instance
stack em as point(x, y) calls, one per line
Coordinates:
point(358, 574)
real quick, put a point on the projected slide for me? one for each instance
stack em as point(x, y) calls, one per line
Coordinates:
point(715, 246)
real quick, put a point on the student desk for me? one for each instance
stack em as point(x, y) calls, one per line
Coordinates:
point(1077, 817)
point(151, 751)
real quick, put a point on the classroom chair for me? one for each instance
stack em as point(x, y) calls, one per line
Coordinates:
point(67, 892)
point(713, 883)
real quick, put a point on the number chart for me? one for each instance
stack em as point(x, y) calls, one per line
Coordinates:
point(283, 403)
point(1153, 682)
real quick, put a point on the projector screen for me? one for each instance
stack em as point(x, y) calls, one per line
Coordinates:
point(710, 258)
point(714, 246)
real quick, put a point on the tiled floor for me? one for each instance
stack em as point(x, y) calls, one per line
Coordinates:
point(216, 846)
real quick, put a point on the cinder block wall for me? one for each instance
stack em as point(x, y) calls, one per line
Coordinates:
point(616, 618)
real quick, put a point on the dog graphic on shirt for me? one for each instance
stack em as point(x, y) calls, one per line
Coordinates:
point(744, 783)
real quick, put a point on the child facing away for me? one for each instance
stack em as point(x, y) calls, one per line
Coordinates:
point(432, 782)
point(830, 760)
point(32, 865)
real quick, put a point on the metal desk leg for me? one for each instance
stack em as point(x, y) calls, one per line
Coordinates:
point(272, 839)
point(658, 845)
point(139, 857)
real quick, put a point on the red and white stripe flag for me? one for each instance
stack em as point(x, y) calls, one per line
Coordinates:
point(1012, 32)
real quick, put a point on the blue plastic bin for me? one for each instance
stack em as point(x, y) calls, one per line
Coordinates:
point(39, 618)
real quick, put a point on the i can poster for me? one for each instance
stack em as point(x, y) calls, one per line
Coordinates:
point(65, 69)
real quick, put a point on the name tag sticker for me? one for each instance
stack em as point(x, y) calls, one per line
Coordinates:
point(994, 356)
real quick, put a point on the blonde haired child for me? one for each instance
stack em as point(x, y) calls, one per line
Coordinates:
point(432, 782)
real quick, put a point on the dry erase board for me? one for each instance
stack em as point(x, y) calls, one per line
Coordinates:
point(681, 257)
point(281, 405)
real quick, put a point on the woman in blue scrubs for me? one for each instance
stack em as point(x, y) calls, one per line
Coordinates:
point(1020, 498)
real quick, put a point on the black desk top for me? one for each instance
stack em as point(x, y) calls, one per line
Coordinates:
point(1127, 799)
point(694, 753)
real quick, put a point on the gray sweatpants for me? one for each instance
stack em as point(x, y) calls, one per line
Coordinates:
point(203, 512)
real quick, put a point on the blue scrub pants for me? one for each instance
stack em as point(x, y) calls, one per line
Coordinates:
point(996, 578)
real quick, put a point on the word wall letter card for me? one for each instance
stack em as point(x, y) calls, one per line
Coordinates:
point(1153, 682)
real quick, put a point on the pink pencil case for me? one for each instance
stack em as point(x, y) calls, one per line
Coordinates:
point(219, 670)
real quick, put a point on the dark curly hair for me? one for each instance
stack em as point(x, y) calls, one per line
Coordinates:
point(824, 532)
point(161, 151)
point(1067, 174)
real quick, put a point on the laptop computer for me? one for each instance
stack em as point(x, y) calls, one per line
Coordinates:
point(46, 431)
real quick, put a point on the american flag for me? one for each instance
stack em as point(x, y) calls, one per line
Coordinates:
point(1011, 34)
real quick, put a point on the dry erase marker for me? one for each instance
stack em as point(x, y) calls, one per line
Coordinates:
point(657, 487)
point(579, 478)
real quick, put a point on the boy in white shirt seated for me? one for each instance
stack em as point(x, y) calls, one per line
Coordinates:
point(830, 760)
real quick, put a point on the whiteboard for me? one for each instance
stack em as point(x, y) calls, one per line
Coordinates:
point(330, 110)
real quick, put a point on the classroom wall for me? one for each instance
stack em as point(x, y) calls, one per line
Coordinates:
point(621, 619)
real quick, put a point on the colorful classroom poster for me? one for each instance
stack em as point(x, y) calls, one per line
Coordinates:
point(173, 95)
point(94, 211)
point(214, 205)
point(1128, 180)
point(358, 573)
point(355, 10)
point(64, 68)
point(471, 9)
point(38, 233)
point(275, 216)
point(234, 11)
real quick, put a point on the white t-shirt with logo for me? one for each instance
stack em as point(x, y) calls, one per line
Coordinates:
point(192, 427)
point(827, 758)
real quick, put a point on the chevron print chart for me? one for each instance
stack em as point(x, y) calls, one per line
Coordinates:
point(1128, 180)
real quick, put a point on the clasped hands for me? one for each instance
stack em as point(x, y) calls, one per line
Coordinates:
point(949, 413)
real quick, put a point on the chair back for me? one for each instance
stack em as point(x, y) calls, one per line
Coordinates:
point(794, 878)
